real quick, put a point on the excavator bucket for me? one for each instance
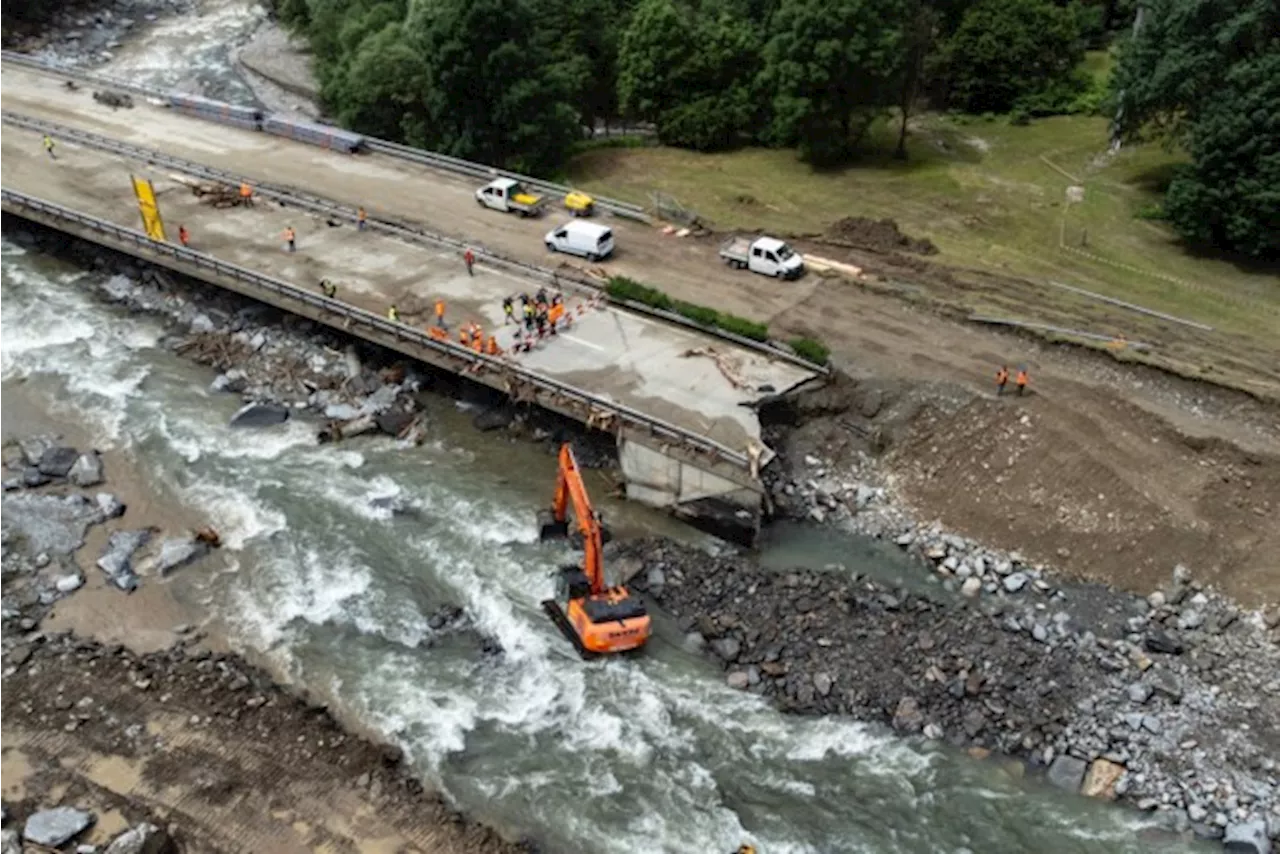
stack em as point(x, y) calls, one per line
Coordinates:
point(549, 528)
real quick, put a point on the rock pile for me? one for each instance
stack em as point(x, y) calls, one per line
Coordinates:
point(1173, 708)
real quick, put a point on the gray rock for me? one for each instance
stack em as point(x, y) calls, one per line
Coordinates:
point(9, 842)
point(87, 471)
point(33, 477)
point(1164, 643)
point(1151, 724)
point(1190, 619)
point(1181, 575)
point(738, 679)
point(727, 648)
point(33, 448)
point(1197, 813)
point(259, 415)
point(1039, 632)
point(201, 323)
point(110, 506)
point(822, 682)
point(141, 839)
point(233, 381)
point(175, 553)
point(498, 418)
point(907, 717)
point(341, 412)
point(1067, 773)
point(50, 523)
point(906, 539)
point(116, 560)
point(395, 422)
point(58, 460)
point(933, 732)
point(1015, 582)
point(12, 483)
point(1139, 692)
point(1247, 837)
point(53, 828)
point(1134, 720)
point(971, 587)
point(1167, 685)
point(381, 400)
point(69, 583)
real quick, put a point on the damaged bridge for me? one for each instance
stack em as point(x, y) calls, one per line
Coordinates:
point(678, 399)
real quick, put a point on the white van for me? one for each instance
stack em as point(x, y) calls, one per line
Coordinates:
point(578, 237)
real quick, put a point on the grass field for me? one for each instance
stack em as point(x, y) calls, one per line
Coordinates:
point(990, 195)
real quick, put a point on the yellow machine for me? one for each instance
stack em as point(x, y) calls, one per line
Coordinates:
point(579, 203)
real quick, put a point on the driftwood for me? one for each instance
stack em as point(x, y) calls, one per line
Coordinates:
point(723, 362)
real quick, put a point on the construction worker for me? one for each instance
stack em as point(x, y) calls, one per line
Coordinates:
point(464, 335)
point(541, 298)
point(746, 848)
point(360, 218)
point(1002, 379)
point(508, 306)
point(1021, 381)
point(528, 316)
point(290, 238)
point(48, 147)
point(477, 340)
point(469, 258)
point(246, 194)
point(184, 236)
point(393, 314)
point(328, 288)
point(492, 349)
point(440, 313)
point(554, 314)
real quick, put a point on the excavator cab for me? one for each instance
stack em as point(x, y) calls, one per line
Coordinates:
point(596, 619)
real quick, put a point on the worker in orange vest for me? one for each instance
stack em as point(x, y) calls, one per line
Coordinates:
point(440, 313)
point(1002, 379)
point(493, 346)
point(1021, 381)
point(464, 335)
point(184, 236)
point(360, 218)
point(477, 342)
point(469, 258)
point(290, 238)
point(246, 194)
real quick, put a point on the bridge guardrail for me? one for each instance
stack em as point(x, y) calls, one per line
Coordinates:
point(626, 414)
point(434, 159)
point(402, 230)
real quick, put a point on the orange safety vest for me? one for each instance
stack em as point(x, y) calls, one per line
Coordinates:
point(556, 311)
point(464, 336)
point(183, 234)
point(245, 191)
point(1022, 377)
point(439, 308)
point(493, 346)
point(477, 343)
point(437, 333)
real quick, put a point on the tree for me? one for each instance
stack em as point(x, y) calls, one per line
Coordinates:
point(693, 73)
point(1205, 74)
point(491, 92)
point(583, 38)
point(382, 85)
point(833, 66)
point(1006, 50)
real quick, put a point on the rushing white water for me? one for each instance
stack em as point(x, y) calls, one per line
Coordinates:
point(654, 753)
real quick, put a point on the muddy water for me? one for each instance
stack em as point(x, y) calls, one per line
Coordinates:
point(654, 754)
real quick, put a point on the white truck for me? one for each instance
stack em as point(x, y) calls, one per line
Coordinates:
point(767, 256)
point(508, 194)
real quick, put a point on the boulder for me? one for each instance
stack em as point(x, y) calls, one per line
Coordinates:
point(233, 381)
point(87, 471)
point(174, 553)
point(69, 583)
point(58, 461)
point(1164, 643)
point(493, 419)
point(259, 415)
point(141, 839)
point(110, 506)
point(9, 842)
point(116, 559)
point(1015, 582)
point(50, 523)
point(33, 448)
point(341, 412)
point(1247, 837)
point(1100, 781)
point(380, 401)
point(907, 716)
point(53, 828)
point(972, 586)
point(394, 422)
point(738, 679)
point(727, 648)
point(823, 682)
point(1067, 773)
point(33, 477)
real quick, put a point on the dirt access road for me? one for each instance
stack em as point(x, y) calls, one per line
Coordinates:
point(1125, 471)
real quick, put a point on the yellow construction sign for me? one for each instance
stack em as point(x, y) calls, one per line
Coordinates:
point(146, 194)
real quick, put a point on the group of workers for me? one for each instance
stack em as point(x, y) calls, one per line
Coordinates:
point(1020, 380)
point(541, 314)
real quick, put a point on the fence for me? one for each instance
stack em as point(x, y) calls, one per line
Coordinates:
point(454, 353)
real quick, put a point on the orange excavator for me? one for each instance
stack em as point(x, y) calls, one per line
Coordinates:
point(597, 620)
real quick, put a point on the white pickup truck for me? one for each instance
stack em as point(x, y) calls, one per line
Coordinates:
point(767, 256)
point(508, 194)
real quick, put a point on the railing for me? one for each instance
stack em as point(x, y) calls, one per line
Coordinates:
point(392, 149)
point(358, 316)
point(403, 231)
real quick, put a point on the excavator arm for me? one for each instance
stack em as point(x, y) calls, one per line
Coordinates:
point(570, 489)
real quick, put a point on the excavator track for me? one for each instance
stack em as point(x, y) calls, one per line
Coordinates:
point(554, 611)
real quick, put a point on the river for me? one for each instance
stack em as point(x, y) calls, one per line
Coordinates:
point(649, 754)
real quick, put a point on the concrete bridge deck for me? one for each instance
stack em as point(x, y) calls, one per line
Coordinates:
point(613, 354)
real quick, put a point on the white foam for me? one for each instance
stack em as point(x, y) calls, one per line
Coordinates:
point(237, 516)
point(298, 585)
